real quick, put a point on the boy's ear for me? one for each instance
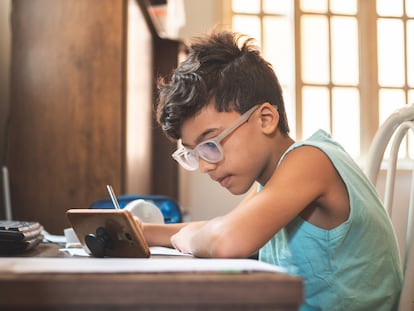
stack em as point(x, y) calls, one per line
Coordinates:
point(269, 118)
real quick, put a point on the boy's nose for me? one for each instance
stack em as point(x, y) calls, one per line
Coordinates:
point(205, 166)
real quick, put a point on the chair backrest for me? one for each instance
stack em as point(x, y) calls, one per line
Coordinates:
point(391, 133)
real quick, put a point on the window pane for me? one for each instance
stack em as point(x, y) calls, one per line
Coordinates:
point(389, 100)
point(288, 96)
point(410, 52)
point(277, 6)
point(346, 119)
point(390, 52)
point(411, 137)
point(344, 44)
point(314, 49)
point(315, 110)
point(278, 47)
point(249, 25)
point(343, 7)
point(317, 6)
point(243, 6)
point(389, 7)
point(409, 8)
point(411, 97)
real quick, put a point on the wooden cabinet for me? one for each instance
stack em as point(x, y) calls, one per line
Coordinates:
point(69, 132)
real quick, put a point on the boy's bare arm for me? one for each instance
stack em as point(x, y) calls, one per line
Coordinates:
point(160, 234)
point(306, 177)
point(183, 238)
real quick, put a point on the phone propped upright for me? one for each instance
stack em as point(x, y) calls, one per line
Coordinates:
point(109, 233)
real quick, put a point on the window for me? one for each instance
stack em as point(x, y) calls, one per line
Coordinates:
point(344, 65)
point(395, 41)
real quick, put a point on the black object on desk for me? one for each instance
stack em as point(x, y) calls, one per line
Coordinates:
point(19, 236)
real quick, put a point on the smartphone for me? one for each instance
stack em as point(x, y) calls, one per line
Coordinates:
point(108, 233)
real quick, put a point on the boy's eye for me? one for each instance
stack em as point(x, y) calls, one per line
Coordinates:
point(209, 145)
point(209, 150)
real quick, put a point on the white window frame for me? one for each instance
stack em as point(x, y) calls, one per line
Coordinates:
point(368, 68)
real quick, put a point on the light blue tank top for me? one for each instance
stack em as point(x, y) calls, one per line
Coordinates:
point(354, 266)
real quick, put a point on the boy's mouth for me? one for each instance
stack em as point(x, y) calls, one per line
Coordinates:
point(224, 181)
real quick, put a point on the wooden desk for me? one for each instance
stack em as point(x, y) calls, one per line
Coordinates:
point(153, 291)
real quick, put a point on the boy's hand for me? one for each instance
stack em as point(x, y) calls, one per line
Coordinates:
point(182, 239)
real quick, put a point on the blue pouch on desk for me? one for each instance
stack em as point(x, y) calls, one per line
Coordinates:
point(168, 207)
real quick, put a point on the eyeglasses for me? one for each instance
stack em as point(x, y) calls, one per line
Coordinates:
point(209, 150)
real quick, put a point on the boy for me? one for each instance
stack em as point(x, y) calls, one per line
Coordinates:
point(314, 212)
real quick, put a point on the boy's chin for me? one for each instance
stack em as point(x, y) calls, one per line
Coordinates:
point(238, 190)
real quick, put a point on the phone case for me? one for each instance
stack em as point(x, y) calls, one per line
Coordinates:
point(108, 233)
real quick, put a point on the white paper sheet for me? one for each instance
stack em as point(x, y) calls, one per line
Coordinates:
point(58, 239)
point(126, 265)
point(166, 251)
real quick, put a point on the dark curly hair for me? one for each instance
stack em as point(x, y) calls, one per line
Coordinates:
point(225, 66)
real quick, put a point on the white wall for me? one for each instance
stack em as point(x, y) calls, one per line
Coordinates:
point(201, 17)
point(203, 198)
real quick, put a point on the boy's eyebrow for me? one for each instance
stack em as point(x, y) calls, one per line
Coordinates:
point(200, 137)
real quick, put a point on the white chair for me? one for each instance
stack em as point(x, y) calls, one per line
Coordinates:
point(391, 133)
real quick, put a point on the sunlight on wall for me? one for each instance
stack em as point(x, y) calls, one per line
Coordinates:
point(138, 103)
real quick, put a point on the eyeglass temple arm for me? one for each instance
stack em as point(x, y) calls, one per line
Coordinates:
point(244, 117)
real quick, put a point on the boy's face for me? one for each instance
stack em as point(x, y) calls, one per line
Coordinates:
point(243, 158)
